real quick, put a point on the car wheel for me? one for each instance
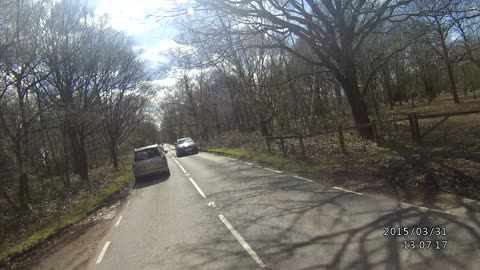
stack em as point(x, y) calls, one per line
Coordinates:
point(196, 152)
point(178, 154)
point(167, 173)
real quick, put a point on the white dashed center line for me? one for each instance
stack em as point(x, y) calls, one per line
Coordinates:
point(191, 179)
point(272, 170)
point(118, 221)
point(183, 169)
point(305, 179)
point(242, 241)
point(100, 257)
point(197, 187)
point(349, 191)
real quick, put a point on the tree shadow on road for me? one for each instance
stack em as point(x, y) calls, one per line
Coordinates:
point(298, 225)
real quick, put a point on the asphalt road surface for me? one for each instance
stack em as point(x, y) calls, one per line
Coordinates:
point(215, 212)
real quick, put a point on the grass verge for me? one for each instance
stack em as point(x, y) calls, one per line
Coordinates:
point(74, 215)
point(282, 163)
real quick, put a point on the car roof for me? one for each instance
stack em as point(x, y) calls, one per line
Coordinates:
point(146, 147)
point(184, 138)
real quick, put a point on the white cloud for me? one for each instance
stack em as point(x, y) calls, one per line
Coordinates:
point(158, 53)
point(129, 16)
point(167, 82)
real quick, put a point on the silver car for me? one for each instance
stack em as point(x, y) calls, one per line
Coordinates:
point(150, 160)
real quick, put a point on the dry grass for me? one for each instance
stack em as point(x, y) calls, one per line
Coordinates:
point(448, 158)
point(442, 104)
point(57, 210)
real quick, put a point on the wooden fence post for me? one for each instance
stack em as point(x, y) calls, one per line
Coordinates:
point(283, 147)
point(342, 140)
point(412, 125)
point(395, 127)
point(418, 135)
point(302, 146)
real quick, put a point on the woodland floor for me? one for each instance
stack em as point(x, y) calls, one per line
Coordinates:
point(446, 160)
point(54, 209)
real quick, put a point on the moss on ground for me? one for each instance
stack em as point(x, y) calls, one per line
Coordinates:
point(77, 212)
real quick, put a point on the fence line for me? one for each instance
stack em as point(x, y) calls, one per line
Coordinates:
point(411, 117)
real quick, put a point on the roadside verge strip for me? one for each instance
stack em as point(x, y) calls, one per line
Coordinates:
point(73, 216)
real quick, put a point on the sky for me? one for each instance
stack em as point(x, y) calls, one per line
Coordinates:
point(152, 37)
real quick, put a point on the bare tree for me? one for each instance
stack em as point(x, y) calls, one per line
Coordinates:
point(334, 30)
point(70, 41)
point(446, 19)
point(20, 70)
point(121, 80)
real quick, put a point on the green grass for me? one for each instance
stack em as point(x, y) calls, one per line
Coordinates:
point(282, 163)
point(79, 211)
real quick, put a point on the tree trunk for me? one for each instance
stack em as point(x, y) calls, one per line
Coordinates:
point(66, 162)
point(83, 162)
point(23, 191)
point(8, 199)
point(264, 128)
point(453, 85)
point(114, 155)
point(446, 58)
point(79, 154)
point(352, 91)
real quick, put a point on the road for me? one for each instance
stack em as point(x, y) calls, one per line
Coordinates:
point(215, 212)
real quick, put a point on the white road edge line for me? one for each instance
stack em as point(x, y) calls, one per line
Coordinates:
point(426, 208)
point(181, 167)
point(118, 221)
point(299, 177)
point(349, 191)
point(197, 187)
point(272, 170)
point(174, 159)
point(128, 202)
point(242, 241)
point(100, 257)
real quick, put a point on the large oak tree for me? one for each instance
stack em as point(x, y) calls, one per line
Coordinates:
point(334, 30)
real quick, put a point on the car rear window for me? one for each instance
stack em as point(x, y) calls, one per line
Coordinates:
point(147, 153)
point(180, 141)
